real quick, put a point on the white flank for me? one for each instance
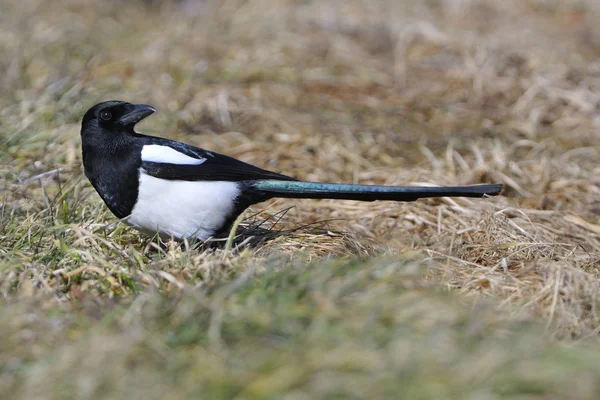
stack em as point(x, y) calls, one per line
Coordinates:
point(168, 155)
point(182, 209)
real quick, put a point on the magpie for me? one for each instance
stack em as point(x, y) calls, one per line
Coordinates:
point(163, 186)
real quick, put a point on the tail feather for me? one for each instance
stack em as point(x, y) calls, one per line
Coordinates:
point(315, 190)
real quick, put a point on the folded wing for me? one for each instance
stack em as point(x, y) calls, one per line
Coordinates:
point(174, 161)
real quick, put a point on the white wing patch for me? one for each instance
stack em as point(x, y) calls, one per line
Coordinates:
point(167, 155)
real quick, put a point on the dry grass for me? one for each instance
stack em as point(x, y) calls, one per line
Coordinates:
point(386, 92)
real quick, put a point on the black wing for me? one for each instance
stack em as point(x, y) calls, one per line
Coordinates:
point(216, 167)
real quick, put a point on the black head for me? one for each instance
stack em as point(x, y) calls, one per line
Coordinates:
point(114, 118)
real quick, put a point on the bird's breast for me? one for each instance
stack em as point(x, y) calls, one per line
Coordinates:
point(115, 177)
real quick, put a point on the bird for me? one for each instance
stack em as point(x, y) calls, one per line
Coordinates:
point(180, 191)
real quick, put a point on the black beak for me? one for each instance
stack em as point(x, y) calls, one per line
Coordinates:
point(139, 112)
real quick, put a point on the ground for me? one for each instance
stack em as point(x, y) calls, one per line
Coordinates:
point(441, 298)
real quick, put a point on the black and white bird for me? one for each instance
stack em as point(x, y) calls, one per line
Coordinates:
point(162, 186)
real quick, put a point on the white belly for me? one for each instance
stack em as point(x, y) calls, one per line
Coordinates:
point(182, 209)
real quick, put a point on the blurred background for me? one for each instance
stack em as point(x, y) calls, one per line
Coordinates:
point(352, 85)
point(372, 91)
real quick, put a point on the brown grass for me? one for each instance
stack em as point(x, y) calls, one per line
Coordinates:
point(386, 92)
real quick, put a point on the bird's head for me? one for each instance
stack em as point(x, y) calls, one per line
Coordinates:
point(112, 118)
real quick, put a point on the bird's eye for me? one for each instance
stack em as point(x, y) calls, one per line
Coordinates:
point(106, 115)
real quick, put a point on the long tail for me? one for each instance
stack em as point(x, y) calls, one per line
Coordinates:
point(316, 190)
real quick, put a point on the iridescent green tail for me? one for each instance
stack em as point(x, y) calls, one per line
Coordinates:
point(316, 190)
